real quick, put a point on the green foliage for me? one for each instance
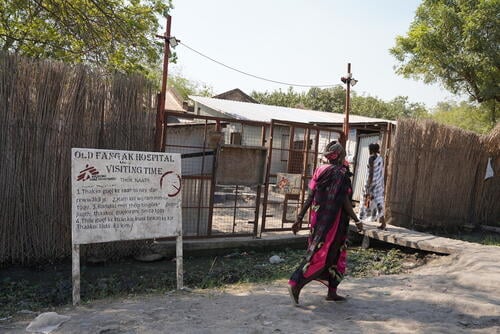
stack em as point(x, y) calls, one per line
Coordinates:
point(397, 107)
point(465, 115)
point(481, 237)
point(187, 87)
point(367, 262)
point(369, 106)
point(290, 98)
point(328, 99)
point(115, 34)
point(333, 100)
point(455, 42)
point(401, 107)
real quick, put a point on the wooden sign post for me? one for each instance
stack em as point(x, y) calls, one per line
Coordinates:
point(124, 195)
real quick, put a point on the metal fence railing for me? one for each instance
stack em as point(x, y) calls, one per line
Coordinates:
point(294, 153)
point(210, 208)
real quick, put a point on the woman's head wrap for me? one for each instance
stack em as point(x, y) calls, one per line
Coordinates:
point(333, 150)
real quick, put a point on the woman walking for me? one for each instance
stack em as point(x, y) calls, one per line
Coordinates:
point(329, 197)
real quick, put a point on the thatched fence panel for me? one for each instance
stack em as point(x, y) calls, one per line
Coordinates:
point(488, 192)
point(435, 178)
point(400, 183)
point(46, 108)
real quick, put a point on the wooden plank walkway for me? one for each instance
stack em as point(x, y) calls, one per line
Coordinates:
point(396, 235)
point(418, 240)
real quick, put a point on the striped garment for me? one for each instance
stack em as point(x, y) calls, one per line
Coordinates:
point(373, 194)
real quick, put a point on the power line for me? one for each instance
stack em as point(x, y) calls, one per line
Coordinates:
point(249, 74)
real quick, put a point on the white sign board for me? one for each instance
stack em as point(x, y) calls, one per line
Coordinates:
point(124, 195)
point(287, 183)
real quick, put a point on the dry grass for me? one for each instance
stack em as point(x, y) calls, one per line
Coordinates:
point(491, 141)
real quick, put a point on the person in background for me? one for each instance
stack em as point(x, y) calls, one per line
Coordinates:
point(329, 197)
point(373, 197)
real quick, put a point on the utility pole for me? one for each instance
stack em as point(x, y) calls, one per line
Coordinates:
point(160, 111)
point(349, 81)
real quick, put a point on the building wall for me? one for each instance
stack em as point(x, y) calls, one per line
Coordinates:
point(191, 138)
point(250, 135)
point(203, 110)
point(281, 145)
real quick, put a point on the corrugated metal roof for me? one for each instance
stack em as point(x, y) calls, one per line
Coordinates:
point(264, 112)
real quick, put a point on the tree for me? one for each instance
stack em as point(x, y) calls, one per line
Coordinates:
point(116, 34)
point(187, 87)
point(455, 42)
point(290, 98)
point(333, 100)
point(368, 106)
point(401, 107)
point(327, 99)
point(464, 115)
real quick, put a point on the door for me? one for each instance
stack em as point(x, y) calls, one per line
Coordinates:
point(361, 169)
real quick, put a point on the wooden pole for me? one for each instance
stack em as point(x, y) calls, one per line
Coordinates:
point(179, 263)
point(76, 274)
point(160, 112)
point(347, 105)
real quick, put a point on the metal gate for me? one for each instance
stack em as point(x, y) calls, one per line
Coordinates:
point(217, 198)
point(293, 154)
point(209, 208)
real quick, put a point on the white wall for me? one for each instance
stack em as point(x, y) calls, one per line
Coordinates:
point(200, 109)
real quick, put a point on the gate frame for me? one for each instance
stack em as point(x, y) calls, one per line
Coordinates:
point(267, 142)
point(307, 128)
point(218, 121)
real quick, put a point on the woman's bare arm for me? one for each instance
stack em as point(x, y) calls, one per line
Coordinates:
point(348, 208)
point(298, 223)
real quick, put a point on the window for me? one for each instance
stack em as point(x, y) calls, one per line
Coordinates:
point(236, 138)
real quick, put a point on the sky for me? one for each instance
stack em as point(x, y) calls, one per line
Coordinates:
point(307, 42)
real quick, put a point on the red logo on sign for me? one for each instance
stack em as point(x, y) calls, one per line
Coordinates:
point(87, 173)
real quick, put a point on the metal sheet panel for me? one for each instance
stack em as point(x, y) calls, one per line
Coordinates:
point(195, 202)
point(241, 165)
point(361, 172)
point(265, 113)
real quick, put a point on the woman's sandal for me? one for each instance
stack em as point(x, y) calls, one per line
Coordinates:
point(335, 298)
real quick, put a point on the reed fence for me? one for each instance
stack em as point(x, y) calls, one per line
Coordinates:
point(488, 192)
point(46, 108)
point(436, 177)
point(435, 173)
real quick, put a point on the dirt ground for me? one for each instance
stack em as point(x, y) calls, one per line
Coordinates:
point(453, 294)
